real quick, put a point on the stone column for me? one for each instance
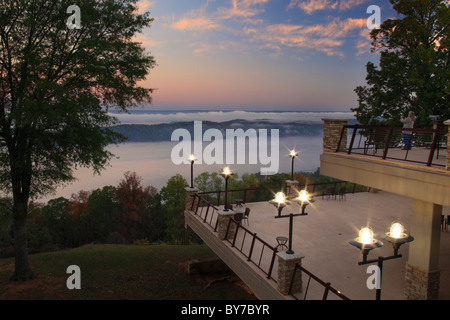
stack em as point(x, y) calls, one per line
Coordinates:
point(447, 123)
point(293, 189)
point(422, 275)
point(190, 193)
point(286, 266)
point(332, 129)
point(223, 219)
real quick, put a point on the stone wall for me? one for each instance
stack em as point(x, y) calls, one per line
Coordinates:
point(286, 267)
point(189, 199)
point(225, 229)
point(332, 129)
point(421, 284)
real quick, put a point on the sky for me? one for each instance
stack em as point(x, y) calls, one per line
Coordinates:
point(257, 55)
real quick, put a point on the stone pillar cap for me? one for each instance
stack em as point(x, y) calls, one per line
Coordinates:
point(294, 256)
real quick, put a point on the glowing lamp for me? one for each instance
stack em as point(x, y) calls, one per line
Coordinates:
point(366, 241)
point(365, 235)
point(280, 198)
point(303, 196)
point(279, 201)
point(226, 171)
point(397, 236)
point(293, 153)
point(397, 230)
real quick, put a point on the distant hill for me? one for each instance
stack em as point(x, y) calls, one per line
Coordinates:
point(163, 132)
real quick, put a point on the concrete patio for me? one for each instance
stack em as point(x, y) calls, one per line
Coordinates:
point(322, 237)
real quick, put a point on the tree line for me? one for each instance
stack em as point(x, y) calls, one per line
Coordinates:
point(129, 213)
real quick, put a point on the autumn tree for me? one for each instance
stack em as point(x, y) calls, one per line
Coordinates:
point(135, 203)
point(57, 84)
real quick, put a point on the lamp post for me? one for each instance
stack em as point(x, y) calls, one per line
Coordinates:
point(192, 160)
point(280, 202)
point(366, 242)
point(226, 172)
point(293, 154)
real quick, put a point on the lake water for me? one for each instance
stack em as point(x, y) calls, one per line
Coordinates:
point(152, 161)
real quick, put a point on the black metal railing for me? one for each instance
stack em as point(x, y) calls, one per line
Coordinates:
point(205, 210)
point(327, 288)
point(256, 251)
point(248, 195)
point(388, 142)
point(252, 247)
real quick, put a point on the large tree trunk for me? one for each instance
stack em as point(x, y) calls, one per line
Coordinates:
point(22, 269)
point(21, 190)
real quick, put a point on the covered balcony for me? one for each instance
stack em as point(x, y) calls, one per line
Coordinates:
point(375, 156)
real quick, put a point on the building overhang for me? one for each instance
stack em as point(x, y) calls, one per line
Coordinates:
point(415, 181)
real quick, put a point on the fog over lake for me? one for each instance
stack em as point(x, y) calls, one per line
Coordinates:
point(152, 161)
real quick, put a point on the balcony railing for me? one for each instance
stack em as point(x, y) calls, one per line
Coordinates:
point(248, 195)
point(254, 248)
point(387, 143)
point(327, 288)
point(256, 251)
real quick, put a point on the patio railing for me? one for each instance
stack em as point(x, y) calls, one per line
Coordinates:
point(251, 246)
point(387, 143)
point(206, 211)
point(255, 249)
point(327, 288)
point(248, 195)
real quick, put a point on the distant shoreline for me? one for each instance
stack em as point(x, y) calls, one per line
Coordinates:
point(149, 117)
point(163, 131)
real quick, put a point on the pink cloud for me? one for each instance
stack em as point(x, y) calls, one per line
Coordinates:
point(321, 37)
point(194, 24)
point(349, 4)
point(311, 6)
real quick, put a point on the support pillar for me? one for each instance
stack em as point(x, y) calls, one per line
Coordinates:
point(293, 189)
point(190, 196)
point(422, 275)
point(222, 224)
point(286, 267)
point(332, 129)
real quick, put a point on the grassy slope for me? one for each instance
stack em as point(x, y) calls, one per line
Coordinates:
point(120, 272)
